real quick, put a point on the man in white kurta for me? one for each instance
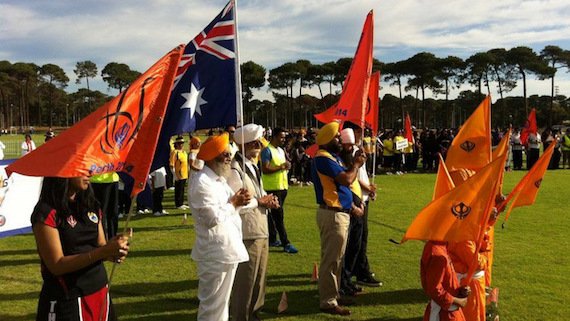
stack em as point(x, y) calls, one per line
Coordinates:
point(218, 247)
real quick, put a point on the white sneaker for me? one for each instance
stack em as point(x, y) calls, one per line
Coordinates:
point(164, 212)
point(121, 215)
point(158, 214)
point(140, 212)
point(147, 211)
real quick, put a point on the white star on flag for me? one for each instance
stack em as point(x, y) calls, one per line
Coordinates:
point(194, 100)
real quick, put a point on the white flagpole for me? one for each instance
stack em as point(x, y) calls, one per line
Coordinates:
point(239, 102)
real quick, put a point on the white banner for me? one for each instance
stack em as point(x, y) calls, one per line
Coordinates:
point(18, 197)
point(401, 145)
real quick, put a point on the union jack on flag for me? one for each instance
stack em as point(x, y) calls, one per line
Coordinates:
point(204, 91)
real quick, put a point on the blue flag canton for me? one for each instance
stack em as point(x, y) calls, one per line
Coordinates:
point(204, 91)
point(204, 94)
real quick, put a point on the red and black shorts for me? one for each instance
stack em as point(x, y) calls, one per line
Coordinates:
point(86, 308)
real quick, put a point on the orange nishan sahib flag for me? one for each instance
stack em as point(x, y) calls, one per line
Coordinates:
point(353, 99)
point(462, 213)
point(443, 181)
point(471, 148)
point(527, 189)
point(119, 136)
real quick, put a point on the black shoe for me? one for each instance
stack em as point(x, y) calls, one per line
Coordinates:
point(369, 281)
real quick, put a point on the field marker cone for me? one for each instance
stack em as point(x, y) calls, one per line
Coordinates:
point(283, 304)
point(315, 275)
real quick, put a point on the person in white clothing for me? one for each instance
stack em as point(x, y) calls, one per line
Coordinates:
point(2, 148)
point(218, 248)
point(28, 145)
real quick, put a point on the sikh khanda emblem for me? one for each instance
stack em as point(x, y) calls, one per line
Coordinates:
point(538, 182)
point(124, 122)
point(460, 210)
point(467, 146)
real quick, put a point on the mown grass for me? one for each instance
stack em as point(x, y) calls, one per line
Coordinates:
point(159, 282)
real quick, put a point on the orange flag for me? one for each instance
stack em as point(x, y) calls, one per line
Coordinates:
point(119, 136)
point(471, 148)
point(501, 150)
point(371, 112)
point(443, 182)
point(408, 133)
point(529, 127)
point(461, 214)
point(526, 190)
point(353, 99)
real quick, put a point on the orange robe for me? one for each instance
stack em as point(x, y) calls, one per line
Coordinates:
point(462, 254)
point(439, 282)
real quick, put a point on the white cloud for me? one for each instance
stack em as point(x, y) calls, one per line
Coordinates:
point(274, 32)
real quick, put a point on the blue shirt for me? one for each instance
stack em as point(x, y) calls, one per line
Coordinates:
point(327, 191)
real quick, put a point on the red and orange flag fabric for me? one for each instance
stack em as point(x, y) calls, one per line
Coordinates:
point(462, 213)
point(530, 127)
point(372, 108)
point(408, 133)
point(525, 192)
point(443, 182)
point(353, 99)
point(471, 148)
point(120, 136)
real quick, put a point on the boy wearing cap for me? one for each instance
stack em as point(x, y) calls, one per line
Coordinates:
point(179, 168)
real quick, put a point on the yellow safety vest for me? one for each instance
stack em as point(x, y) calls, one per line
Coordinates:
point(275, 181)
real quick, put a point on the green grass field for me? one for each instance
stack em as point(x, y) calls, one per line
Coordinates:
point(159, 282)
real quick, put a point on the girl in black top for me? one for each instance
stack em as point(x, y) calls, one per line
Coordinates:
point(71, 243)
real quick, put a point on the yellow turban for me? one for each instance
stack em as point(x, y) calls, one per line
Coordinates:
point(327, 133)
point(214, 146)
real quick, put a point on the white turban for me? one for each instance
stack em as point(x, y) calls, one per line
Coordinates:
point(347, 136)
point(250, 133)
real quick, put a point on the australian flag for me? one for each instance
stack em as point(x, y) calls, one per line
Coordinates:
point(204, 91)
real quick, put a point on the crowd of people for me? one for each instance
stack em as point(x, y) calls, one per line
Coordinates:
point(236, 184)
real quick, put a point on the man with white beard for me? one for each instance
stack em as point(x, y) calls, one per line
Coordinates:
point(248, 293)
point(218, 248)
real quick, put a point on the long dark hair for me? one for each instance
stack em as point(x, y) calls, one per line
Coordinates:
point(55, 194)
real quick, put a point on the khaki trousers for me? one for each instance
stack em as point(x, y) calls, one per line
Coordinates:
point(248, 293)
point(333, 227)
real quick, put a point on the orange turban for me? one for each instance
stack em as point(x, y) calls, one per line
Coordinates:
point(213, 147)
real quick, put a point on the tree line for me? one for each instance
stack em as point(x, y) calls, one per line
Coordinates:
point(35, 95)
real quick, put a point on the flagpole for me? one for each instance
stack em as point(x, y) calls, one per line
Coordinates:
point(239, 102)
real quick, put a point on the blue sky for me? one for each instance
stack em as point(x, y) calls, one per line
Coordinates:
point(274, 32)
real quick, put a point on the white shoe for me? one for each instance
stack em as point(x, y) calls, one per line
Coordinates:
point(164, 212)
point(121, 215)
point(140, 212)
point(158, 214)
point(147, 211)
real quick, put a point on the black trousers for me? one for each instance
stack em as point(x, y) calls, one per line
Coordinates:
point(157, 196)
point(108, 196)
point(353, 249)
point(179, 189)
point(275, 219)
point(532, 157)
point(362, 267)
point(517, 159)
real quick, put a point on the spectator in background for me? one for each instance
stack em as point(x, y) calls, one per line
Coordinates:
point(274, 165)
point(49, 135)
point(158, 184)
point(565, 144)
point(106, 189)
point(533, 151)
point(388, 152)
point(179, 168)
point(517, 148)
point(28, 145)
